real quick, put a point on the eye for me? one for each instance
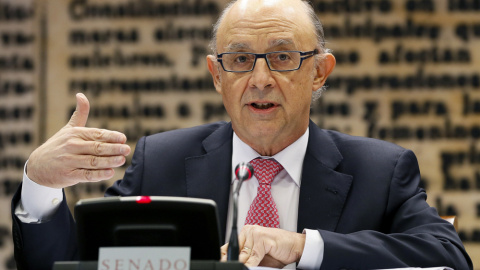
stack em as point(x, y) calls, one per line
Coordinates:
point(283, 57)
point(240, 59)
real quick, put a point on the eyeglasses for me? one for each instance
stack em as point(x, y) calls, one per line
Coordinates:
point(276, 61)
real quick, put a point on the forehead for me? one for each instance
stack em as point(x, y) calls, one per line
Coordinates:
point(263, 24)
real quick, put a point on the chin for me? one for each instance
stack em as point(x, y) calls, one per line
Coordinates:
point(264, 129)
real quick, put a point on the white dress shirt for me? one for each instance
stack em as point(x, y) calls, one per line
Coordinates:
point(38, 203)
point(285, 193)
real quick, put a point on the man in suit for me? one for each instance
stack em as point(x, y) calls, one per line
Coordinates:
point(341, 201)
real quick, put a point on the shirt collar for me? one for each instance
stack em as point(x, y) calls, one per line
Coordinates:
point(291, 157)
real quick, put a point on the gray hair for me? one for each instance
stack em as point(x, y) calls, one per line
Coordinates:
point(318, 32)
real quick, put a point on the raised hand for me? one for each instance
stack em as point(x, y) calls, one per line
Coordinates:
point(77, 154)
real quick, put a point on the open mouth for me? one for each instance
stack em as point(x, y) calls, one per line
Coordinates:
point(262, 106)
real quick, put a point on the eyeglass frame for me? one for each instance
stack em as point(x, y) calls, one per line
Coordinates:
point(303, 56)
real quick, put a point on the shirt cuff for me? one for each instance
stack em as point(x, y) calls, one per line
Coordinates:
point(313, 250)
point(37, 203)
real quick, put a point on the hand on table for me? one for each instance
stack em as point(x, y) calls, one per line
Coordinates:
point(261, 246)
point(77, 154)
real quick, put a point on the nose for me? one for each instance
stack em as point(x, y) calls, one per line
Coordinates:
point(261, 76)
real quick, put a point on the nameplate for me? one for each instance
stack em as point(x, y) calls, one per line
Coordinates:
point(144, 258)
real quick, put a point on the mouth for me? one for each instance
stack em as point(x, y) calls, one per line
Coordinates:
point(262, 106)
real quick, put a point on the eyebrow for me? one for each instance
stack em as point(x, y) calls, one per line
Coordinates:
point(244, 46)
point(280, 42)
point(236, 46)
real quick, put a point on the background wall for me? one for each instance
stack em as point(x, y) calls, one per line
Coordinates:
point(407, 72)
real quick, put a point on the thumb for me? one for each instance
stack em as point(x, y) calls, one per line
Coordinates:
point(80, 116)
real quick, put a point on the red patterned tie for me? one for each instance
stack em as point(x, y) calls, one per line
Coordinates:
point(263, 210)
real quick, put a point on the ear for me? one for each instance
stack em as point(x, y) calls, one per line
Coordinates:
point(323, 70)
point(215, 72)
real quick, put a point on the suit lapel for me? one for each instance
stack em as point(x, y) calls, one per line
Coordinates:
point(323, 191)
point(209, 175)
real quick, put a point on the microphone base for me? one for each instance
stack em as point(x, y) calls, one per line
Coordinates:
point(194, 265)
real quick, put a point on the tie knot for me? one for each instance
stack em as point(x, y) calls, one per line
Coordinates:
point(265, 170)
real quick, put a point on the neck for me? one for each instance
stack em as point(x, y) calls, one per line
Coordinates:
point(272, 144)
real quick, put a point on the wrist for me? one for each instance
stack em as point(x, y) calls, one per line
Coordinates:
point(30, 169)
point(299, 246)
point(29, 173)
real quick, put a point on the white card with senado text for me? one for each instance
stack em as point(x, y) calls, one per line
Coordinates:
point(165, 258)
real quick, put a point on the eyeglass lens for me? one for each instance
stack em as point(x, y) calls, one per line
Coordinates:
point(276, 61)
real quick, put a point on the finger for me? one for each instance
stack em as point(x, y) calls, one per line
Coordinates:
point(256, 254)
point(80, 115)
point(246, 251)
point(223, 252)
point(246, 243)
point(251, 241)
point(82, 175)
point(93, 162)
point(242, 236)
point(96, 148)
point(100, 135)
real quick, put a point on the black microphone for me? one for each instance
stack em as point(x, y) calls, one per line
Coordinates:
point(243, 172)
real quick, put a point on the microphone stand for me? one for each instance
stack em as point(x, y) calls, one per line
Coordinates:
point(243, 172)
point(233, 246)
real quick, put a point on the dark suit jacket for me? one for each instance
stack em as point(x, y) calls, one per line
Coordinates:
point(361, 194)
